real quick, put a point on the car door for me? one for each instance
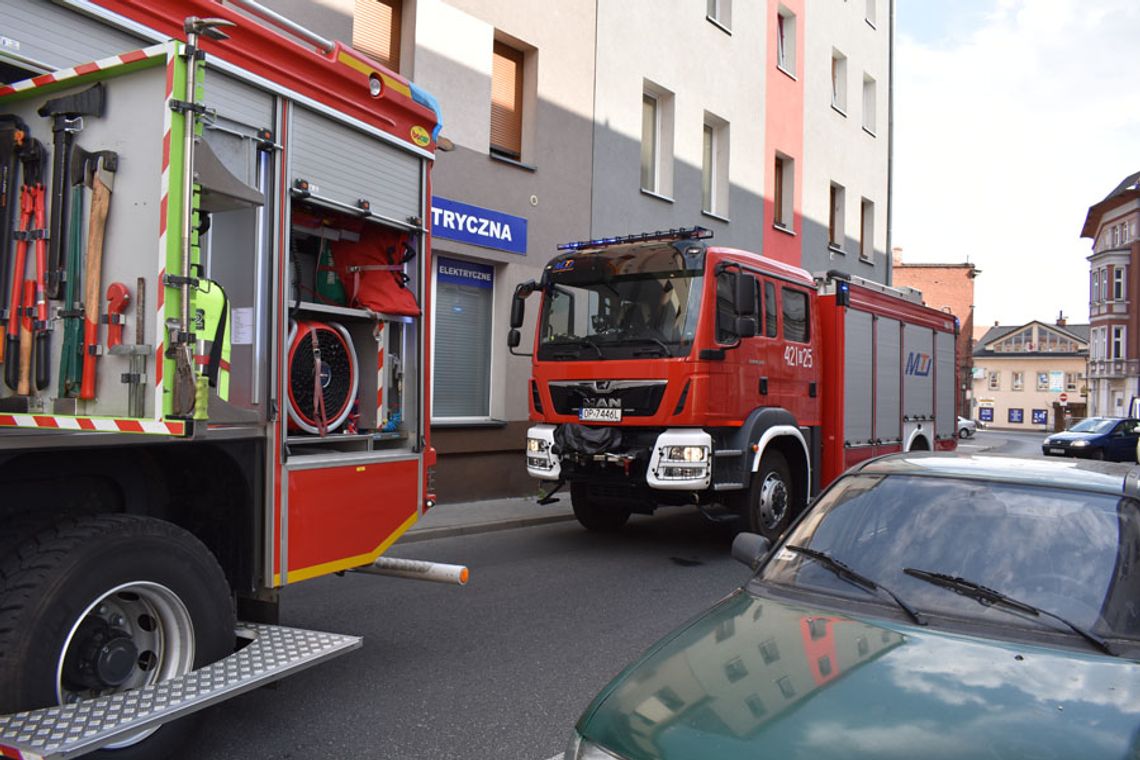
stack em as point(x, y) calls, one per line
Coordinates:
point(1124, 440)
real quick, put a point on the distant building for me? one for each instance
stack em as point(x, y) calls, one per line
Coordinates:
point(950, 288)
point(1030, 376)
point(1114, 347)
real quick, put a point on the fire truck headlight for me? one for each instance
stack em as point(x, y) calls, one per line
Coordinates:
point(536, 445)
point(686, 453)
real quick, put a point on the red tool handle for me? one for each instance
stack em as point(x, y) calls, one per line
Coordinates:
point(118, 298)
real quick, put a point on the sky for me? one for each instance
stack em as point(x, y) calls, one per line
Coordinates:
point(1012, 117)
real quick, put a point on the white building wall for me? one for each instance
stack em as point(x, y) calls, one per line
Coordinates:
point(837, 148)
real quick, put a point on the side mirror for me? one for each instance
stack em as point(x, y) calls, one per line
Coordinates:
point(750, 548)
point(746, 327)
point(518, 302)
point(513, 338)
point(746, 296)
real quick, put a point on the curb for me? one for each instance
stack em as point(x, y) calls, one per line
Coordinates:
point(428, 534)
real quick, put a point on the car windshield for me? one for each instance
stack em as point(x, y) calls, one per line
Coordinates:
point(643, 303)
point(1072, 553)
point(1094, 425)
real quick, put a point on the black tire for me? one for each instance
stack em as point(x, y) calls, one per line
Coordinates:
point(50, 584)
point(596, 515)
point(1097, 454)
point(772, 497)
point(964, 433)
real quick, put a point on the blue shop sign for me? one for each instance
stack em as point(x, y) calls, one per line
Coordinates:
point(453, 220)
point(466, 273)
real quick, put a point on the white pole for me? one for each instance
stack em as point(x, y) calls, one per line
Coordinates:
point(417, 570)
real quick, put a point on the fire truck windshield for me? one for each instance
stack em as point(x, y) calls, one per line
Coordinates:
point(628, 304)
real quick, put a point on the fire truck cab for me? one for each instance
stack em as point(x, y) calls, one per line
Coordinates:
point(670, 371)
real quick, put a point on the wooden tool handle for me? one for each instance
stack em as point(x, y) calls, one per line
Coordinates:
point(24, 387)
point(100, 203)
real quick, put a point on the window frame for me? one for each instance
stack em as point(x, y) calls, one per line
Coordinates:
point(391, 59)
point(715, 175)
point(839, 81)
point(786, 41)
point(867, 231)
point(491, 332)
point(1017, 380)
point(663, 134)
point(1117, 346)
point(650, 162)
point(719, 13)
point(993, 380)
point(503, 50)
point(1118, 286)
point(783, 193)
point(785, 291)
point(870, 104)
point(836, 217)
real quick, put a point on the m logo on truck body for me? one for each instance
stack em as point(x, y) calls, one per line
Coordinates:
point(918, 364)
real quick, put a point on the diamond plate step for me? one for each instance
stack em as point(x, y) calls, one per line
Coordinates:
point(58, 733)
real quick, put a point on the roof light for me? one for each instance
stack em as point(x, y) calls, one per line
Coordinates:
point(684, 233)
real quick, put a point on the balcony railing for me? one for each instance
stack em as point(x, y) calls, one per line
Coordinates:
point(1113, 368)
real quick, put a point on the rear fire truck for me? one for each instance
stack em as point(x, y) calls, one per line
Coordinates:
point(215, 374)
point(670, 371)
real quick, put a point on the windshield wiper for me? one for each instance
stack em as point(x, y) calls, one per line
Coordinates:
point(647, 339)
point(989, 597)
point(579, 342)
point(856, 578)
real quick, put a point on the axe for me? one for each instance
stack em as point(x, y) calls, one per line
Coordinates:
point(101, 176)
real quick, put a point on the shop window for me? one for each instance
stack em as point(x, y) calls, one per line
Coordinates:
point(1017, 416)
point(986, 414)
point(462, 363)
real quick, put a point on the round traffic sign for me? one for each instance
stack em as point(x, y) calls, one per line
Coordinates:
point(1064, 397)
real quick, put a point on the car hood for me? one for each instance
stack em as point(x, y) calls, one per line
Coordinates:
point(1069, 436)
point(758, 678)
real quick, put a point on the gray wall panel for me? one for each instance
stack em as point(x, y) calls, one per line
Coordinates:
point(857, 378)
point(946, 422)
point(237, 102)
point(347, 165)
point(888, 370)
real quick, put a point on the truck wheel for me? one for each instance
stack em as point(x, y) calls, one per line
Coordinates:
point(596, 515)
point(100, 604)
point(771, 497)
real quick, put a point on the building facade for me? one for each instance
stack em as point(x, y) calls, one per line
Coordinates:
point(767, 122)
point(1114, 348)
point(1029, 377)
point(949, 288)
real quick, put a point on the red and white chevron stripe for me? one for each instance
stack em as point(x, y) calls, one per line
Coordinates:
point(93, 424)
point(86, 68)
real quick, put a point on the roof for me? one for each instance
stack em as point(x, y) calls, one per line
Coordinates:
point(1073, 474)
point(1129, 186)
point(997, 332)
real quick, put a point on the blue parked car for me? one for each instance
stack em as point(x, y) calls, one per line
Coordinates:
point(1111, 438)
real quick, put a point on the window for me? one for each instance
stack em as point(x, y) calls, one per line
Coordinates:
point(656, 140)
point(769, 310)
point(1017, 416)
point(1043, 381)
point(1116, 235)
point(867, 231)
point(1104, 284)
point(1118, 283)
point(786, 41)
point(872, 15)
point(1117, 342)
point(1095, 288)
point(506, 101)
point(797, 321)
point(726, 308)
point(1017, 381)
point(719, 12)
point(985, 414)
point(869, 103)
point(376, 30)
point(1071, 379)
point(839, 81)
point(835, 230)
point(735, 670)
point(994, 380)
point(782, 190)
point(714, 167)
point(462, 368)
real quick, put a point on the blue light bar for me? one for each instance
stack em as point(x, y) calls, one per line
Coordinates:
point(684, 233)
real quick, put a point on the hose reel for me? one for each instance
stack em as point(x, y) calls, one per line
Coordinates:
point(323, 376)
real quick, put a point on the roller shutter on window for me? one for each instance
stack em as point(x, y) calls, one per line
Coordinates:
point(506, 100)
point(376, 30)
point(463, 304)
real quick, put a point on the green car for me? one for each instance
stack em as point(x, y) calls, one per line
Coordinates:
point(926, 606)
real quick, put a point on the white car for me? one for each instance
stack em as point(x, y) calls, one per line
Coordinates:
point(966, 428)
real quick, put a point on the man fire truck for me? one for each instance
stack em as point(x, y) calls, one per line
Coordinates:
point(214, 266)
point(670, 371)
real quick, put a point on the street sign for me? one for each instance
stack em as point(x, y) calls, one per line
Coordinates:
point(1064, 397)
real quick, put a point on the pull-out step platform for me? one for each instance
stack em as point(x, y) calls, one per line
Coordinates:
point(57, 733)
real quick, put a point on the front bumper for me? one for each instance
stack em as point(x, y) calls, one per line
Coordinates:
point(680, 459)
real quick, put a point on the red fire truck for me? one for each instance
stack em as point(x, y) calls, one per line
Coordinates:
point(214, 259)
point(669, 371)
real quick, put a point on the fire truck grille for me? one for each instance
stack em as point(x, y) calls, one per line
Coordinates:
point(637, 398)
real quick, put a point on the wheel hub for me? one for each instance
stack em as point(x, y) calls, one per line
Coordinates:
point(102, 658)
point(773, 501)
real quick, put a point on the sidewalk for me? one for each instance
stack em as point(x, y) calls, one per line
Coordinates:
point(463, 518)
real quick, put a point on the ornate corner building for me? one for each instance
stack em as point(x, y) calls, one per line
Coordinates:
point(1114, 338)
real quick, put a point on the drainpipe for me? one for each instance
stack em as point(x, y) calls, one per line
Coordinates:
point(890, 139)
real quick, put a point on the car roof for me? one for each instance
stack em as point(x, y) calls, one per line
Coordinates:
point(1073, 474)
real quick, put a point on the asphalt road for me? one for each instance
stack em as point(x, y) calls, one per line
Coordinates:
point(1013, 443)
point(501, 668)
